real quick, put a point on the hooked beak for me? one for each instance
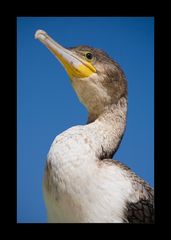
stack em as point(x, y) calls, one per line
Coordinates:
point(75, 66)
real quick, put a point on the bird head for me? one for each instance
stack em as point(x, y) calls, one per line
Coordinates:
point(97, 79)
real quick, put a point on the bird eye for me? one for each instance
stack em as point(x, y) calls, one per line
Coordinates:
point(89, 56)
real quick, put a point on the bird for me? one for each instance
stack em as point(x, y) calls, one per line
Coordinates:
point(82, 183)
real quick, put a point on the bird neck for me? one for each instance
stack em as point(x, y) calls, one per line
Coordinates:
point(109, 127)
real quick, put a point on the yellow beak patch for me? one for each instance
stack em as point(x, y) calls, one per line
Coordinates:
point(75, 66)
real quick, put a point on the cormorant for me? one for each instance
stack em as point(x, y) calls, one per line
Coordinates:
point(82, 183)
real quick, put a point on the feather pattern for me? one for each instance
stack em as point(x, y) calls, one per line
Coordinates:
point(81, 182)
point(107, 190)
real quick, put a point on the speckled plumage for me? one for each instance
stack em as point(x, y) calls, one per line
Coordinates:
point(141, 211)
point(82, 183)
point(88, 183)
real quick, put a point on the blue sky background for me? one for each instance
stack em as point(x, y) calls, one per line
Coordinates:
point(47, 104)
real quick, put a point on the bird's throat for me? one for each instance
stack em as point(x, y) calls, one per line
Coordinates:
point(109, 127)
